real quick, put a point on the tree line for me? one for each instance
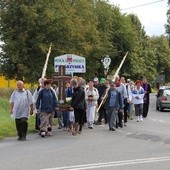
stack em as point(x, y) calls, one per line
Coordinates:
point(92, 29)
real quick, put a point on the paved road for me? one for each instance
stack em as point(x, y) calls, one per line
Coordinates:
point(144, 145)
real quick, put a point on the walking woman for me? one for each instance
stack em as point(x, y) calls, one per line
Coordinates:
point(78, 104)
point(46, 104)
point(137, 95)
point(92, 96)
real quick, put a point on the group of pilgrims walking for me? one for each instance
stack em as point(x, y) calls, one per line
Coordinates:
point(122, 100)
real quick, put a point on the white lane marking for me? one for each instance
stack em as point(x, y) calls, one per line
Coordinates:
point(111, 164)
point(157, 120)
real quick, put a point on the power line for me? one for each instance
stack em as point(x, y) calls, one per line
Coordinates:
point(142, 5)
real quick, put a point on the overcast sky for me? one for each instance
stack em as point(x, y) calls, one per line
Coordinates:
point(152, 16)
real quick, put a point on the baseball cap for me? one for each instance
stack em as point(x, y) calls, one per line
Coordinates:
point(128, 80)
point(102, 80)
point(95, 79)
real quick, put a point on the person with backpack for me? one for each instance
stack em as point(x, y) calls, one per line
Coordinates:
point(46, 104)
point(21, 105)
point(91, 96)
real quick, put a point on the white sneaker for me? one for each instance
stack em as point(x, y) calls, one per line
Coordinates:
point(42, 134)
point(138, 119)
point(141, 118)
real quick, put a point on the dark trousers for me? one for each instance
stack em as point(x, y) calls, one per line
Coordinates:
point(120, 118)
point(102, 114)
point(84, 118)
point(79, 118)
point(145, 109)
point(21, 126)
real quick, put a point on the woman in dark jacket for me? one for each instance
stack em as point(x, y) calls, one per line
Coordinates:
point(78, 104)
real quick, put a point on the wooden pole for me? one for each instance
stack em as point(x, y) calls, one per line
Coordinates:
point(120, 66)
point(46, 62)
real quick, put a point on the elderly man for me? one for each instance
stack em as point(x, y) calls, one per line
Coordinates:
point(20, 103)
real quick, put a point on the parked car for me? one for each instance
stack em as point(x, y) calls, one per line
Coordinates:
point(163, 98)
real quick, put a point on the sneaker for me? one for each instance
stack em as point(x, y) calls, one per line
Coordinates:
point(79, 132)
point(141, 118)
point(74, 133)
point(98, 123)
point(42, 134)
point(112, 129)
point(138, 119)
point(49, 133)
point(24, 138)
point(19, 138)
point(120, 125)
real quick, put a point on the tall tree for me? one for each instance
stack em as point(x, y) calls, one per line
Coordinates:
point(162, 52)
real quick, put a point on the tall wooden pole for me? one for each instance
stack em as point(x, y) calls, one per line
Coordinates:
point(46, 62)
point(120, 66)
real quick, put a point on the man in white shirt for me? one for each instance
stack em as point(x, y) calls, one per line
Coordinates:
point(21, 101)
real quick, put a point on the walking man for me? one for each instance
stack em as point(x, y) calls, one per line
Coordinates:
point(147, 88)
point(102, 112)
point(21, 104)
point(121, 88)
point(113, 105)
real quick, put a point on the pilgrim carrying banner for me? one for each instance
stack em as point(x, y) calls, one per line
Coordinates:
point(73, 63)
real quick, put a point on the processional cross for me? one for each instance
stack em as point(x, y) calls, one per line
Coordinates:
point(61, 79)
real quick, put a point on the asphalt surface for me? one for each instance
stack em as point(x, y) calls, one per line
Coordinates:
point(139, 146)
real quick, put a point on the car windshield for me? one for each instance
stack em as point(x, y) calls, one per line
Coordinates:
point(167, 92)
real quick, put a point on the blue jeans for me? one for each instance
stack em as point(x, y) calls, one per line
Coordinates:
point(65, 118)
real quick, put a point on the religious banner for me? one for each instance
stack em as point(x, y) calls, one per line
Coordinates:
point(73, 63)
